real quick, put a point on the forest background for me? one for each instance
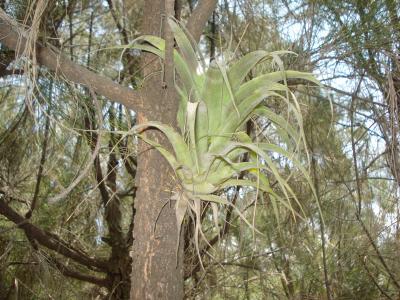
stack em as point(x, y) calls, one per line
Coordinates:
point(77, 201)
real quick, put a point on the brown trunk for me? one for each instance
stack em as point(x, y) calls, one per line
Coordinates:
point(156, 269)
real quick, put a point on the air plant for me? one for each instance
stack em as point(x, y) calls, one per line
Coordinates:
point(216, 101)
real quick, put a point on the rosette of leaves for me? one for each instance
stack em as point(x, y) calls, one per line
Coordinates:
point(216, 101)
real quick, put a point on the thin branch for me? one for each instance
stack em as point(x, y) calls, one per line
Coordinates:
point(13, 36)
point(374, 281)
point(49, 240)
point(357, 97)
point(322, 224)
point(120, 26)
point(359, 196)
point(86, 169)
point(353, 147)
point(42, 160)
point(378, 253)
point(66, 271)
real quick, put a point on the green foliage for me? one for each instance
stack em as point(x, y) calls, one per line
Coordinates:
point(354, 41)
point(216, 101)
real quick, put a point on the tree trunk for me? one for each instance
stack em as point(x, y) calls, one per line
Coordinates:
point(157, 271)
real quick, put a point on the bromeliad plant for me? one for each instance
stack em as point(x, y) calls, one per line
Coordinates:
point(215, 103)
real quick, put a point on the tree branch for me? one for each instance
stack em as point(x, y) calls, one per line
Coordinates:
point(66, 271)
point(43, 157)
point(120, 26)
point(199, 18)
point(373, 279)
point(13, 36)
point(49, 240)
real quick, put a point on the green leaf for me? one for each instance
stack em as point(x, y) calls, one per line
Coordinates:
point(222, 68)
point(156, 46)
point(175, 165)
point(185, 46)
point(202, 133)
point(177, 142)
point(242, 67)
point(267, 79)
point(213, 94)
point(278, 120)
point(191, 123)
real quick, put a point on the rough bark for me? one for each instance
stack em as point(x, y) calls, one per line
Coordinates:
point(156, 269)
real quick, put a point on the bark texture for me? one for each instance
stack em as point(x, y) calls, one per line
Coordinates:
point(157, 271)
